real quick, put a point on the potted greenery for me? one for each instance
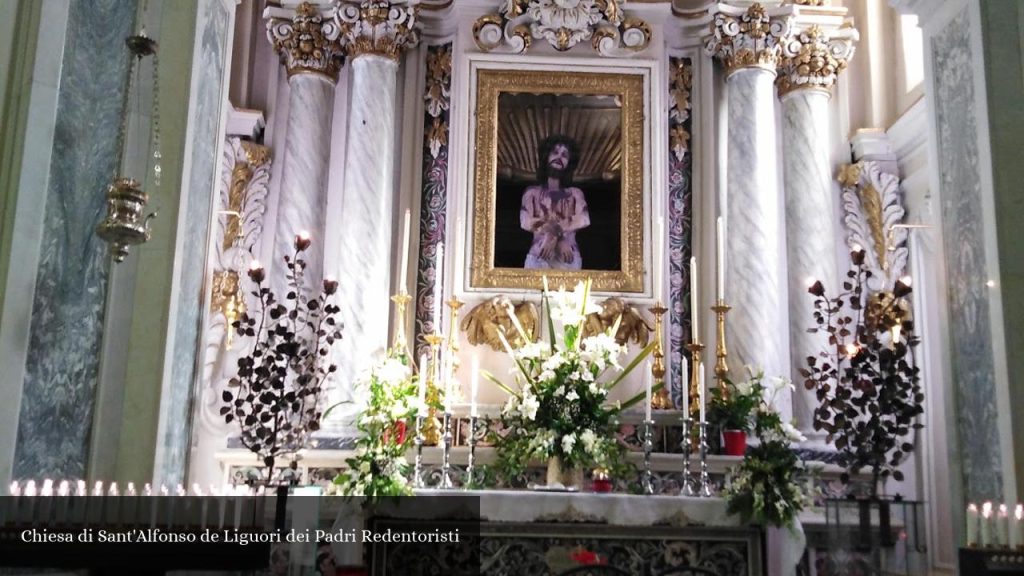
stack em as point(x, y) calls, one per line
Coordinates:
point(764, 489)
point(731, 409)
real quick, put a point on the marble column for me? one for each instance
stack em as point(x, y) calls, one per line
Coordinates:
point(747, 43)
point(307, 43)
point(376, 34)
point(811, 61)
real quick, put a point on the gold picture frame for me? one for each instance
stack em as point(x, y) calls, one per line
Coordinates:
point(518, 110)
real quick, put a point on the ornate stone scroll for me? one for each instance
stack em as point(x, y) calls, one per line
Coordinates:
point(563, 24)
point(747, 39)
point(872, 209)
point(813, 59)
point(381, 27)
point(307, 42)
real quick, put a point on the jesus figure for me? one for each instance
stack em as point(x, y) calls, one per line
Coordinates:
point(553, 210)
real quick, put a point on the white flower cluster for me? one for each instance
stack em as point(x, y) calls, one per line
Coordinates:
point(570, 308)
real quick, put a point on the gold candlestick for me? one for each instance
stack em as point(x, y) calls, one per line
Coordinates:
point(399, 342)
point(453, 336)
point(695, 349)
point(660, 400)
point(431, 435)
point(721, 366)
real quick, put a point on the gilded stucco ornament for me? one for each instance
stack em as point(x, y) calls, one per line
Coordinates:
point(632, 326)
point(378, 27)
point(750, 39)
point(307, 42)
point(812, 59)
point(873, 214)
point(563, 24)
point(680, 84)
point(438, 97)
point(491, 317)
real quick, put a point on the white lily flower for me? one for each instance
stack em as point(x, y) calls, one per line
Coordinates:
point(568, 441)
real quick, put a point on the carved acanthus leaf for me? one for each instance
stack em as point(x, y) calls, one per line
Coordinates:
point(381, 27)
point(680, 84)
point(307, 42)
point(813, 59)
point(563, 24)
point(749, 39)
point(872, 209)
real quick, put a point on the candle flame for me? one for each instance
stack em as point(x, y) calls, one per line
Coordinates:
point(131, 489)
point(1018, 512)
point(47, 487)
point(972, 507)
point(255, 265)
point(986, 509)
point(15, 490)
point(30, 488)
point(64, 488)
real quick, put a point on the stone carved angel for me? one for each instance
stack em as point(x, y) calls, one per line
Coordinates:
point(487, 318)
point(633, 326)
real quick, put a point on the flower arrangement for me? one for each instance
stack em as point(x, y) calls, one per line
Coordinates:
point(558, 408)
point(764, 489)
point(388, 404)
point(733, 408)
point(275, 397)
point(867, 383)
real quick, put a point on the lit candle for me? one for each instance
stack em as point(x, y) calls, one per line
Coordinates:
point(438, 292)
point(475, 386)
point(1003, 526)
point(720, 258)
point(986, 524)
point(1018, 526)
point(700, 388)
point(972, 524)
point(404, 271)
point(647, 395)
point(685, 387)
point(659, 256)
point(693, 300)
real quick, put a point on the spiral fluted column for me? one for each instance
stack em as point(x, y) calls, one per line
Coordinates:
point(811, 62)
point(747, 41)
point(307, 44)
point(375, 36)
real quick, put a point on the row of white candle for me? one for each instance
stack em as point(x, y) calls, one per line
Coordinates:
point(991, 526)
point(444, 372)
point(67, 503)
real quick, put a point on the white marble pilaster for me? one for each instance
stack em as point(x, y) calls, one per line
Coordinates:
point(303, 201)
point(755, 266)
point(364, 265)
point(810, 231)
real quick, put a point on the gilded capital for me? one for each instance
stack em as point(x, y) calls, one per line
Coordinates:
point(380, 27)
point(307, 42)
point(749, 39)
point(812, 60)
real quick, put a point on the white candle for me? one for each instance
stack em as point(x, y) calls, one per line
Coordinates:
point(1003, 526)
point(659, 257)
point(404, 271)
point(693, 300)
point(700, 388)
point(438, 292)
point(720, 258)
point(1018, 526)
point(475, 386)
point(685, 387)
point(647, 388)
point(986, 524)
point(972, 524)
point(421, 410)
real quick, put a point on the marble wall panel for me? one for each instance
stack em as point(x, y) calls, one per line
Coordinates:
point(66, 329)
point(964, 231)
point(214, 21)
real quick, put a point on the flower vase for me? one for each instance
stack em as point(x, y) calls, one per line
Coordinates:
point(735, 442)
point(558, 476)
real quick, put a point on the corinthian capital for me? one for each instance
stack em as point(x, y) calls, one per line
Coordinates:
point(813, 59)
point(306, 40)
point(381, 27)
point(747, 39)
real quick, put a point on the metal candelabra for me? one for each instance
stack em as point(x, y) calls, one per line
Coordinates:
point(417, 472)
point(471, 463)
point(705, 485)
point(648, 479)
point(446, 452)
point(687, 487)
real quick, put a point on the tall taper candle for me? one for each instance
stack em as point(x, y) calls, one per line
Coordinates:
point(647, 388)
point(701, 389)
point(694, 314)
point(684, 384)
point(659, 257)
point(1003, 526)
point(972, 524)
point(438, 292)
point(720, 258)
point(474, 386)
point(422, 409)
point(404, 272)
point(986, 524)
point(1018, 526)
